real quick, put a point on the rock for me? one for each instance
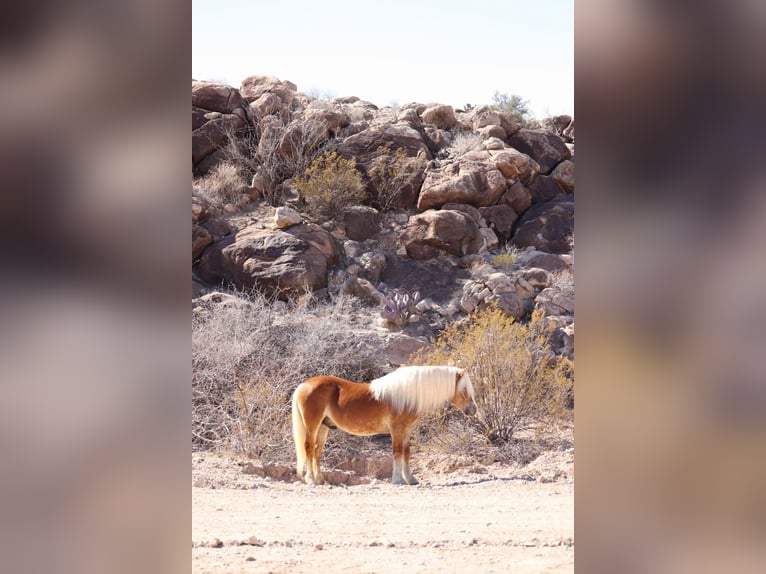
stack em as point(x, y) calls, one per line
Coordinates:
point(546, 148)
point(497, 289)
point(486, 116)
point(562, 339)
point(213, 134)
point(500, 218)
point(493, 131)
point(254, 87)
point(558, 125)
point(439, 139)
point(463, 181)
point(490, 238)
point(361, 222)
point(439, 116)
point(518, 197)
point(363, 290)
point(401, 347)
point(469, 210)
point(493, 144)
point(202, 209)
point(537, 278)
point(217, 227)
point(563, 174)
point(430, 232)
point(364, 148)
point(549, 262)
point(216, 97)
point(285, 217)
point(515, 165)
point(276, 262)
point(201, 238)
point(198, 288)
point(373, 264)
point(544, 188)
point(546, 227)
point(555, 301)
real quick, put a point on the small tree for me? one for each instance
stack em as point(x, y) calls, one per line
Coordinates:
point(514, 106)
point(520, 384)
point(330, 184)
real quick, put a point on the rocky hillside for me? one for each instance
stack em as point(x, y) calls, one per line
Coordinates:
point(461, 208)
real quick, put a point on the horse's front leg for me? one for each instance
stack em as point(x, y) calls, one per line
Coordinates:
point(397, 442)
point(406, 472)
point(400, 439)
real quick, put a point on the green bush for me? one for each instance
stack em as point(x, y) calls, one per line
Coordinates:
point(330, 184)
point(514, 106)
point(521, 386)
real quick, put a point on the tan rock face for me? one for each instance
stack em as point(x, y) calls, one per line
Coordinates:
point(274, 261)
point(432, 232)
point(463, 181)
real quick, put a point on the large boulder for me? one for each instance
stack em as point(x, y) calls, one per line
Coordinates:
point(500, 218)
point(563, 174)
point(253, 87)
point(433, 232)
point(216, 97)
point(218, 111)
point(361, 222)
point(558, 125)
point(213, 134)
point(372, 143)
point(545, 188)
point(440, 116)
point(276, 262)
point(464, 180)
point(515, 165)
point(545, 147)
point(518, 197)
point(546, 227)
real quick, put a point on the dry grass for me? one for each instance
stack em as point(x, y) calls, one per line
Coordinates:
point(249, 354)
point(463, 142)
point(224, 184)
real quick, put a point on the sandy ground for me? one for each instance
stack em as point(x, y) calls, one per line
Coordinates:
point(483, 519)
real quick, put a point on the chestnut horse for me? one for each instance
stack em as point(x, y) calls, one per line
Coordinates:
point(389, 405)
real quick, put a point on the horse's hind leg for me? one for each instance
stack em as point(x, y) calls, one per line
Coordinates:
point(320, 440)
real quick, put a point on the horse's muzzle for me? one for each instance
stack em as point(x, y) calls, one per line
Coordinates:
point(470, 409)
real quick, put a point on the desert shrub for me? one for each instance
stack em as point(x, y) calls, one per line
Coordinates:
point(462, 142)
point(521, 386)
point(223, 184)
point(249, 354)
point(507, 256)
point(390, 172)
point(514, 106)
point(330, 184)
point(276, 149)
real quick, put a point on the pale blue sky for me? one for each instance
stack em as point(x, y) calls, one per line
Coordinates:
point(394, 51)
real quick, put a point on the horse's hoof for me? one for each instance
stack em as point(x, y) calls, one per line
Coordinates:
point(413, 482)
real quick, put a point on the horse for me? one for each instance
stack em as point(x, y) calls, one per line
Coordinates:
point(391, 404)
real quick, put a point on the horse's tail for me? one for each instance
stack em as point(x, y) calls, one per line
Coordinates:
point(299, 434)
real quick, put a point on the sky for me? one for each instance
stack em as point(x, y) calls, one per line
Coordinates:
point(393, 52)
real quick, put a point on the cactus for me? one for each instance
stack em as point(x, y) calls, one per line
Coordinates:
point(398, 308)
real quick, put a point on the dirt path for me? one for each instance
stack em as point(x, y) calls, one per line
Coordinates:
point(497, 520)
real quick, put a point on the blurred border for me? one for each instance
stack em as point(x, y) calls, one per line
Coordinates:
point(671, 385)
point(94, 157)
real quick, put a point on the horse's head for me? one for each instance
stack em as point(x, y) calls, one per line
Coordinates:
point(463, 398)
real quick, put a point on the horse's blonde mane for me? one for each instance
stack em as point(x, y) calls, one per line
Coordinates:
point(420, 389)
